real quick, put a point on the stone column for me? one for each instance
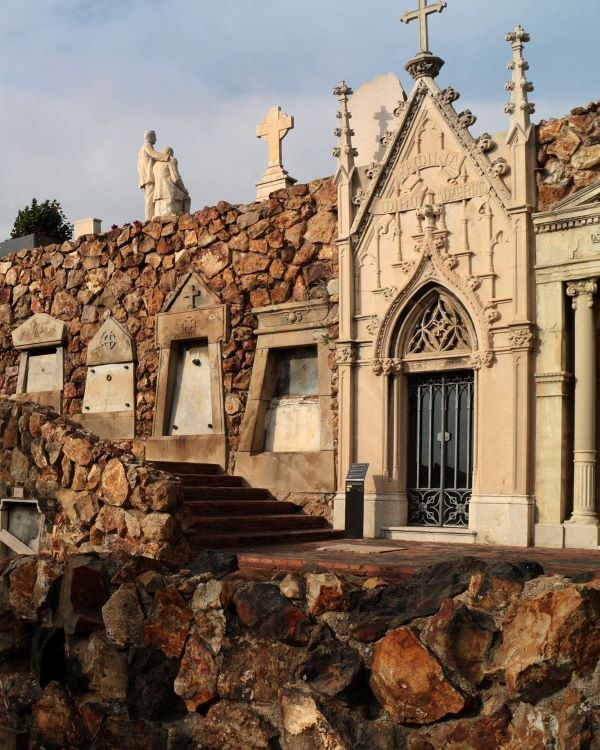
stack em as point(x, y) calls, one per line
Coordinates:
point(584, 459)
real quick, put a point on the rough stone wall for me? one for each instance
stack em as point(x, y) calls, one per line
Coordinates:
point(95, 495)
point(568, 154)
point(126, 653)
point(275, 251)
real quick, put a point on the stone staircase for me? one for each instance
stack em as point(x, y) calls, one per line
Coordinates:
point(224, 513)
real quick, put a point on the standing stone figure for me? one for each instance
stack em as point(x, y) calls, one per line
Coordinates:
point(147, 157)
point(170, 194)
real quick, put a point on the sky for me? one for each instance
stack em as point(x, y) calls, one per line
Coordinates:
point(80, 81)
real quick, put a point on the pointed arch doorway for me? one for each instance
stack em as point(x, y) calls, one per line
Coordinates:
point(435, 344)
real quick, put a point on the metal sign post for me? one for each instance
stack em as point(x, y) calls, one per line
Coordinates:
point(355, 501)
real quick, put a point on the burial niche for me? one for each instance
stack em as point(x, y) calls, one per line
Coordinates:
point(286, 440)
point(20, 526)
point(41, 366)
point(109, 398)
point(189, 418)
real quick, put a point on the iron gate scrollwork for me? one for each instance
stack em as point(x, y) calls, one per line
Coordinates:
point(440, 455)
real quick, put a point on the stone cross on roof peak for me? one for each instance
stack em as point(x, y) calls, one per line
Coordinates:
point(273, 130)
point(424, 10)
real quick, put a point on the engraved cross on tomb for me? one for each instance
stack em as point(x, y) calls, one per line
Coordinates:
point(421, 14)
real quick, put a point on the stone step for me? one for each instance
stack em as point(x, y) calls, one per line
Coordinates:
point(230, 524)
point(225, 493)
point(237, 541)
point(240, 507)
point(180, 467)
point(211, 480)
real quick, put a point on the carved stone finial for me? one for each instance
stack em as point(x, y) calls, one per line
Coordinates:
point(424, 63)
point(273, 130)
point(344, 151)
point(519, 108)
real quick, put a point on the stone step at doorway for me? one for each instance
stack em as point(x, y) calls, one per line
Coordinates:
point(223, 512)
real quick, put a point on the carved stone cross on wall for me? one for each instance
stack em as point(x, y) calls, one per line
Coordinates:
point(192, 294)
point(273, 130)
point(421, 14)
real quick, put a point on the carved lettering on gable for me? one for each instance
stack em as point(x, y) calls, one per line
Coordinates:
point(447, 194)
point(449, 160)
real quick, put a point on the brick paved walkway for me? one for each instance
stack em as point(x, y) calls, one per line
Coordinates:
point(406, 558)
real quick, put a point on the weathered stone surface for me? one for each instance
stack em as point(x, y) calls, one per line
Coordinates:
point(80, 507)
point(462, 639)
point(228, 726)
point(56, 720)
point(546, 638)
point(123, 617)
point(114, 484)
point(485, 733)
point(22, 583)
point(119, 733)
point(331, 667)
point(565, 145)
point(102, 666)
point(293, 586)
point(255, 669)
point(215, 562)
point(324, 593)
point(82, 595)
point(304, 724)
point(422, 595)
point(151, 676)
point(196, 681)
point(410, 683)
point(261, 606)
point(79, 448)
point(47, 580)
point(167, 627)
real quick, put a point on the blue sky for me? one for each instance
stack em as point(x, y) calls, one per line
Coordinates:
point(80, 80)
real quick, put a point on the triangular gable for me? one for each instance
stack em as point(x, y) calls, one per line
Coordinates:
point(112, 344)
point(191, 293)
point(39, 331)
point(581, 199)
point(473, 149)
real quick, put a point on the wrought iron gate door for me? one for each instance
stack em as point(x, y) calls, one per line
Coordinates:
point(440, 449)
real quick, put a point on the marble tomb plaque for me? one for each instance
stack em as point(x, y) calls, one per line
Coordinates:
point(109, 388)
point(42, 371)
point(191, 412)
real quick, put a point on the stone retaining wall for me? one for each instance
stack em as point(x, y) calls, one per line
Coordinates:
point(95, 495)
point(126, 653)
point(568, 154)
point(271, 252)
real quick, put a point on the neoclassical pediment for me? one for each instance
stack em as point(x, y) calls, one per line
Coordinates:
point(191, 294)
point(112, 344)
point(586, 197)
point(41, 330)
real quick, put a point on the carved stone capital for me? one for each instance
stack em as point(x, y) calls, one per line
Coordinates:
point(424, 65)
point(481, 359)
point(346, 355)
point(387, 366)
point(521, 338)
point(586, 289)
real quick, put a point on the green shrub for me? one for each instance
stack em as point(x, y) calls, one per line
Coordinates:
point(43, 218)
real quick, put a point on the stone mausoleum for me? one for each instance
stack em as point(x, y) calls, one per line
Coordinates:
point(431, 310)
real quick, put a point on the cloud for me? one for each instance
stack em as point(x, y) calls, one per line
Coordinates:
point(80, 80)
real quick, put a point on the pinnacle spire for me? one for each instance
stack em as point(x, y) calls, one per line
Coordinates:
point(519, 108)
point(344, 151)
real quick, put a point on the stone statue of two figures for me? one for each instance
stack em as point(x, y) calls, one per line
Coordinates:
point(164, 191)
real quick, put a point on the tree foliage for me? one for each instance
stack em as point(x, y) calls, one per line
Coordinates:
point(45, 218)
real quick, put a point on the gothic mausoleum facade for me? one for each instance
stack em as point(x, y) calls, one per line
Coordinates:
point(430, 311)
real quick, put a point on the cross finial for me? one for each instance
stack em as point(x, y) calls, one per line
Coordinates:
point(273, 130)
point(421, 14)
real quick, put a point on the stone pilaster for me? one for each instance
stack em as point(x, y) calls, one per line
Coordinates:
point(583, 294)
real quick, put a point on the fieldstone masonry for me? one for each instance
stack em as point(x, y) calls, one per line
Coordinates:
point(129, 652)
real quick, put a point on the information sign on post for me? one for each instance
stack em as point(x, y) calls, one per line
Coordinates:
point(355, 500)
